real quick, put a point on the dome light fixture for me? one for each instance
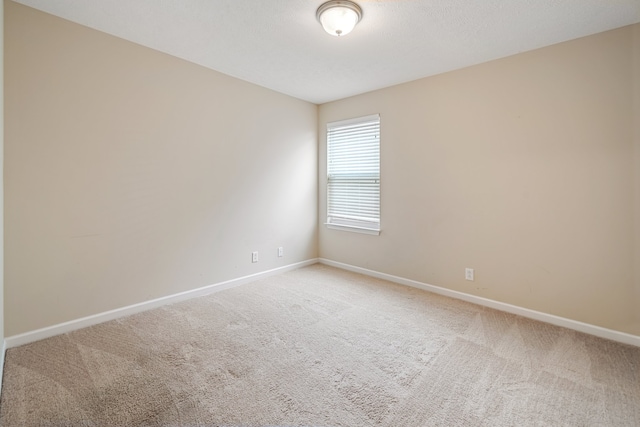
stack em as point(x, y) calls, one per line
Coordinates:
point(338, 17)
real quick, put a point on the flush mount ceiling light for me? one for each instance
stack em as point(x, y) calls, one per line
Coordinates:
point(338, 17)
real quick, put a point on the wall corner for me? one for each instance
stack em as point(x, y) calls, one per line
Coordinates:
point(635, 48)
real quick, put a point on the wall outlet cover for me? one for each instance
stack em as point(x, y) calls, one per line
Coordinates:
point(468, 274)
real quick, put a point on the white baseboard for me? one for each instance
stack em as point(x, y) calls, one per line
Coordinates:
point(62, 328)
point(513, 309)
point(4, 351)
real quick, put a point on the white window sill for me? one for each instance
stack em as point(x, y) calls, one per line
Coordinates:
point(353, 229)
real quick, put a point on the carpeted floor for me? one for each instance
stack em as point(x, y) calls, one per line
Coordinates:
point(322, 347)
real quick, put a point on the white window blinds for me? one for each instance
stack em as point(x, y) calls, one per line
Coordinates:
point(353, 175)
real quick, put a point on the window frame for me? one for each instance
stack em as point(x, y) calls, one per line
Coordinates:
point(367, 180)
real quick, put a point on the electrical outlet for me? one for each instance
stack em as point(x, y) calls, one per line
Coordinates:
point(254, 256)
point(468, 274)
point(280, 251)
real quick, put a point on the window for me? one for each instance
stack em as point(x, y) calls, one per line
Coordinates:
point(353, 174)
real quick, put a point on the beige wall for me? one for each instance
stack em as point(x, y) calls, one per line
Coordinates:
point(520, 168)
point(132, 175)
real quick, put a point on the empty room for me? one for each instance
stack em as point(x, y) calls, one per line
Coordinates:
point(320, 213)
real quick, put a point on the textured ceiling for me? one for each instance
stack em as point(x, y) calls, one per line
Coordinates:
point(280, 45)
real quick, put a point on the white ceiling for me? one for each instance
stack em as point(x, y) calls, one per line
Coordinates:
point(280, 45)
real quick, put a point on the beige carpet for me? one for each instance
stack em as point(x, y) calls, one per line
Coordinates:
point(322, 347)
